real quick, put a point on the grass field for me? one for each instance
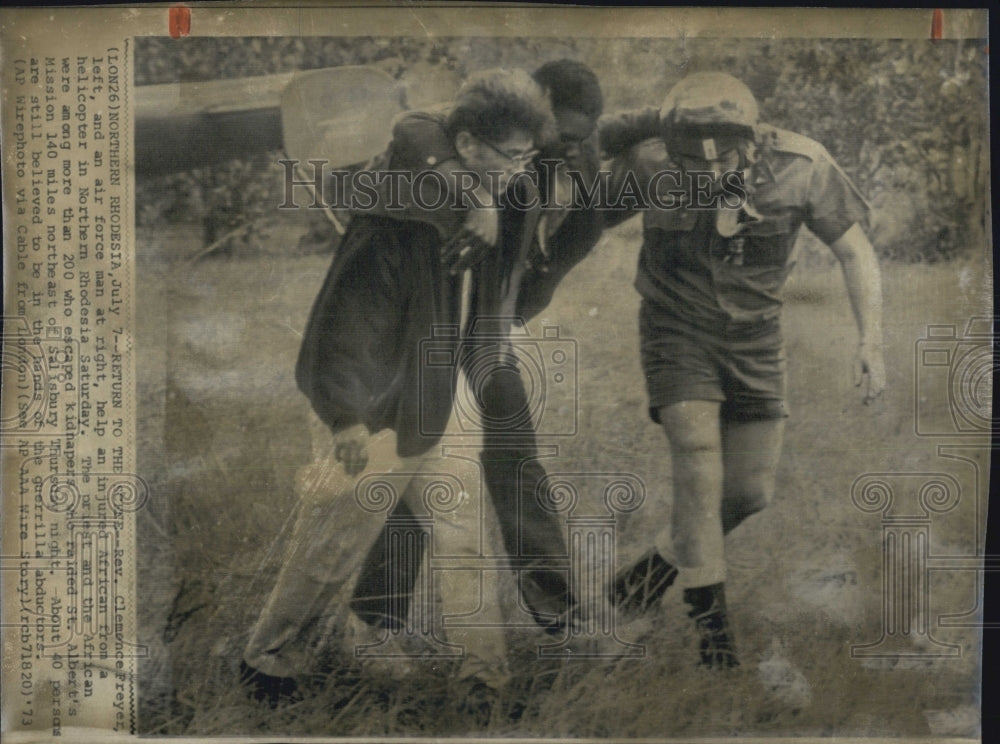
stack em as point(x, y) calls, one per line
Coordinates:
point(223, 431)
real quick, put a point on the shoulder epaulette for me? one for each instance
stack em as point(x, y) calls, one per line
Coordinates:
point(782, 140)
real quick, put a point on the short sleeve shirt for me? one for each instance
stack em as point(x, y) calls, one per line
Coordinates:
point(686, 268)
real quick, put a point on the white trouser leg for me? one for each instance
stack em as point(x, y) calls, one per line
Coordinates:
point(466, 587)
point(333, 533)
point(330, 538)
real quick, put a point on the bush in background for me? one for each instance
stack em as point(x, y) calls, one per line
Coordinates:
point(907, 120)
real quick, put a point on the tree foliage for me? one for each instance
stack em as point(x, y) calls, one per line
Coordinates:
point(907, 120)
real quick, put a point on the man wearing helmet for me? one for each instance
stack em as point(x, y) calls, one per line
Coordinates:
point(710, 275)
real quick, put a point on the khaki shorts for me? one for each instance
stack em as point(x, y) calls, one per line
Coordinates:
point(741, 367)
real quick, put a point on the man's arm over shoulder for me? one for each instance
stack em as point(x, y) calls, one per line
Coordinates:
point(633, 140)
point(622, 131)
point(419, 141)
point(419, 144)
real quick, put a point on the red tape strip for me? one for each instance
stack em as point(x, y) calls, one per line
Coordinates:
point(180, 21)
point(937, 24)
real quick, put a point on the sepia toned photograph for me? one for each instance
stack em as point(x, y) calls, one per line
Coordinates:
point(480, 384)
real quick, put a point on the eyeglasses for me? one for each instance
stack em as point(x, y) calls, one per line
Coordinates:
point(518, 158)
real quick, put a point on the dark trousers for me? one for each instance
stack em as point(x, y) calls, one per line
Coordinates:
point(533, 537)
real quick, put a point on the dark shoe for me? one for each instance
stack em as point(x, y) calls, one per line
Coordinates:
point(641, 587)
point(515, 709)
point(478, 703)
point(708, 608)
point(546, 597)
point(267, 688)
point(569, 620)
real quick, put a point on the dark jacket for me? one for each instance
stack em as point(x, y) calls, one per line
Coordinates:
point(575, 238)
point(385, 293)
point(377, 345)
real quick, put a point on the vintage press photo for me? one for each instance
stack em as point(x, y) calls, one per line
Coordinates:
point(417, 372)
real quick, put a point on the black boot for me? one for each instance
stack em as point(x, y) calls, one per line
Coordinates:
point(268, 688)
point(641, 586)
point(549, 601)
point(708, 608)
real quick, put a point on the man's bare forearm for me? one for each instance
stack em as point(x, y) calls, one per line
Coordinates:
point(864, 282)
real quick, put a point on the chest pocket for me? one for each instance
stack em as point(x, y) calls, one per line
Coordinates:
point(769, 241)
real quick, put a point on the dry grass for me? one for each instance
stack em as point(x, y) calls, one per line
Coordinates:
point(223, 431)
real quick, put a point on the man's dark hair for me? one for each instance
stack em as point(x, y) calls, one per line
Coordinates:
point(493, 103)
point(571, 85)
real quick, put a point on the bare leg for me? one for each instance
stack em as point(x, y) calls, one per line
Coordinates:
point(695, 436)
point(694, 537)
point(692, 428)
point(750, 454)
